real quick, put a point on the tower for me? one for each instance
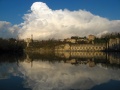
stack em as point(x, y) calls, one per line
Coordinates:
point(32, 37)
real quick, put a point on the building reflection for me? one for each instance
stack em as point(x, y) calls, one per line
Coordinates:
point(88, 62)
point(114, 58)
point(81, 70)
point(29, 60)
point(90, 59)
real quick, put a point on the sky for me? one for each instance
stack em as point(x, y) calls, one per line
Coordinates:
point(14, 15)
point(13, 11)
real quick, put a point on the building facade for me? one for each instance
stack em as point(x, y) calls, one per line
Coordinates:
point(81, 47)
point(114, 44)
point(91, 37)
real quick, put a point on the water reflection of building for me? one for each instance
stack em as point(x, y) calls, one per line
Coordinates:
point(87, 58)
point(91, 63)
point(90, 58)
point(88, 62)
point(28, 60)
point(114, 58)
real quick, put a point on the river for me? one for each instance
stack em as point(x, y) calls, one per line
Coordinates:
point(60, 71)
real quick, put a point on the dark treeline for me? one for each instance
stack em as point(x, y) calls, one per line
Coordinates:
point(11, 46)
point(111, 35)
point(52, 58)
point(12, 58)
point(46, 44)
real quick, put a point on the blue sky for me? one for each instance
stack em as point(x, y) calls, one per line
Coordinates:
point(13, 10)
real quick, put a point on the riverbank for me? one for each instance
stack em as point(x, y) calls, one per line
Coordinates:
point(38, 50)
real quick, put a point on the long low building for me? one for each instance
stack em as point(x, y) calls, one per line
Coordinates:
point(81, 47)
point(112, 44)
point(63, 54)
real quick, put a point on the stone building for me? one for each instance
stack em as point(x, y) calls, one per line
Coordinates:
point(87, 47)
point(114, 44)
point(28, 41)
point(69, 40)
point(76, 39)
point(81, 47)
point(91, 37)
point(87, 55)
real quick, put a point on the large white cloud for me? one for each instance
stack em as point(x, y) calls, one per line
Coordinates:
point(45, 23)
point(7, 30)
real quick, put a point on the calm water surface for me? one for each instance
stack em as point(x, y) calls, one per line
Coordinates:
point(60, 71)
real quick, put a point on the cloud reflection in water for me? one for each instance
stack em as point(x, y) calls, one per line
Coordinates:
point(64, 76)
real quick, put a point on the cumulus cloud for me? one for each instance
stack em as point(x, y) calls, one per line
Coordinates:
point(45, 23)
point(7, 30)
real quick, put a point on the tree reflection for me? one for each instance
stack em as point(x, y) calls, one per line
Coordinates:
point(53, 71)
point(109, 60)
